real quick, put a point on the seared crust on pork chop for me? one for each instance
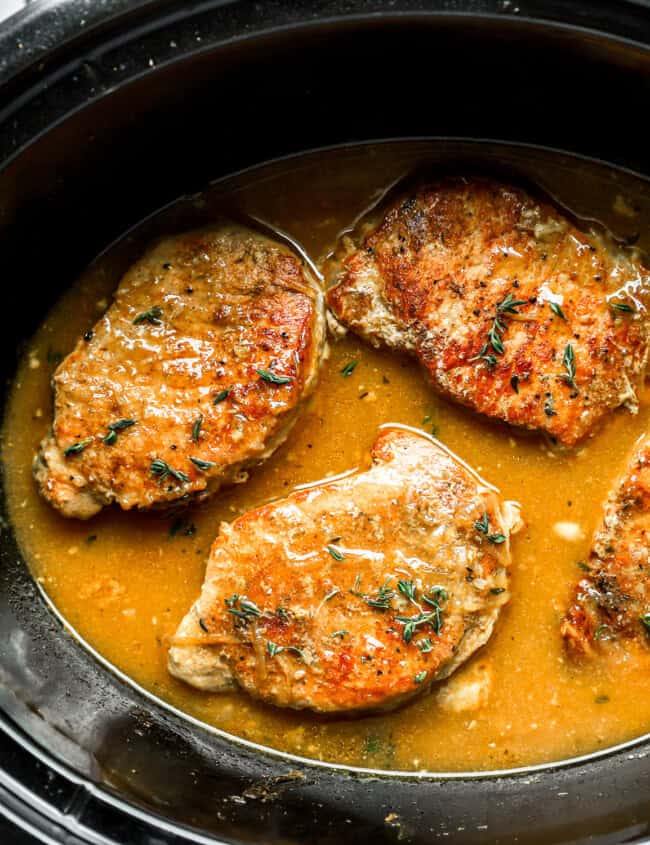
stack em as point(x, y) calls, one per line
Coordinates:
point(195, 372)
point(511, 309)
point(355, 593)
point(611, 602)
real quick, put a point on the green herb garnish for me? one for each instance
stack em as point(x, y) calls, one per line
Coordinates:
point(152, 315)
point(425, 645)
point(340, 634)
point(407, 589)
point(495, 335)
point(496, 591)
point(274, 649)
point(162, 469)
point(196, 429)
point(584, 566)
point(557, 310)
point(420, 677)
point(113, 429)
point(483, 527)
point(336, 554)
point(569, 363)
point(349, 368)
point(622, 307)
point(78, 447)
point(383, 598)
point(202, 465)
point(645, 621)
point(247, 609)
point(223, 394)
point(273, 378)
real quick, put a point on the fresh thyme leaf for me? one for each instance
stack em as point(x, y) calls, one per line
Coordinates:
point(203, 625)
point(420, 677)
point(412, 623)
point(622, 307)
point(151, 315)
point(509, 305)
point(196, 428)
point(121, 425)
point(78, 447)
point(349, 368)
point(486, 356)
point(483, 527)
point(557, 310)
point(162, 469)
point(383, 598)
point(645, 621)
point(282, 613)
point(336, 554)
point(407, 589)
point(202, 465)
point(494, 336)
point(113, 429)
point(273, 378)
point(223, 394)
point(425, 645)
point(273, 648)
point(427, 419)
point(340, 634)
point(247, 609)
point(569, 363)
point(584, 566)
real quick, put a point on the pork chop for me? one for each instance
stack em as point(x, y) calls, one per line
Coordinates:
point(356, 593)
point(611, 602)
point(512, 310)
point(195, 372)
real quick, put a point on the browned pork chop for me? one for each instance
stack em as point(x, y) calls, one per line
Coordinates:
point(511, 309)
point(356, 593)
point(194, 373)
point(612, 600)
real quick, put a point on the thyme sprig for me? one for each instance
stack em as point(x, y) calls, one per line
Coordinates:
point(78, 447)
point(483, 527)
point(151, 315)
point(273, 378)
point(273, 649)
point(114, 428)
point(509, 305)
point(162, 470)
point(242, 607)
point(569, 364)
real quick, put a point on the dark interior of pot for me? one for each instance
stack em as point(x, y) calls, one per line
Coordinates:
point(130, 123)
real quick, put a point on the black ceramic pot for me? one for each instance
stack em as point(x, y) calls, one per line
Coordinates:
point(110, 109)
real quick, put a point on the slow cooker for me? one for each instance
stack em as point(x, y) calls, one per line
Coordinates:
point(109, 109)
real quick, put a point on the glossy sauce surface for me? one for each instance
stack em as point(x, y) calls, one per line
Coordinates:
point(123, 581)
